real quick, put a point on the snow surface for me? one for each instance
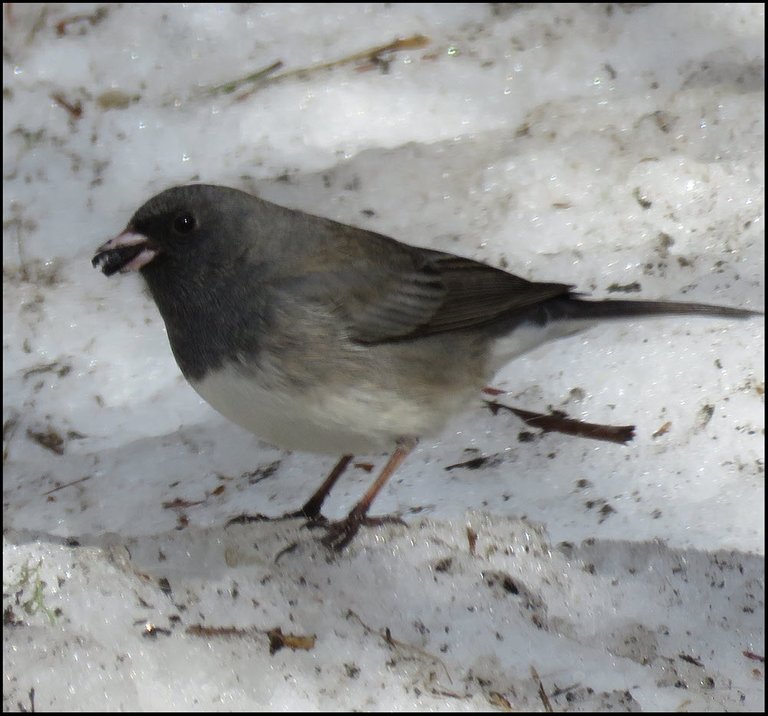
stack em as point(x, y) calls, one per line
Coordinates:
point(599, 145)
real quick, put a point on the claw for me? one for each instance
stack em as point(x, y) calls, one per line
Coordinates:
point(341, 533)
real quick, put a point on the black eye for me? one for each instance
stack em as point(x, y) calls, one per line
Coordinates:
point(184, 223)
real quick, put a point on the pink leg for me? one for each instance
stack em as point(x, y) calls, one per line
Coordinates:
point(312, 507)
point(340, 534)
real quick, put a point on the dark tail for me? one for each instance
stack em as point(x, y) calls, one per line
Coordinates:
point(579, 308)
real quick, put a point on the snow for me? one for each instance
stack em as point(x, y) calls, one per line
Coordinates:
point(597, 145)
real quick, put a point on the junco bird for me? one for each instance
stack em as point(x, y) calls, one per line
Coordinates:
point(322, 337)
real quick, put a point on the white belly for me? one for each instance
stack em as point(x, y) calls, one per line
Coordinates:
point(346, 419)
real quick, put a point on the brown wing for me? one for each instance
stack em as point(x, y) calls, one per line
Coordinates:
point(477, 294)
point(445, 293)
point(387, 291)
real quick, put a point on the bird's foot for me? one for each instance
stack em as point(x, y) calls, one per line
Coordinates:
point(340, 534)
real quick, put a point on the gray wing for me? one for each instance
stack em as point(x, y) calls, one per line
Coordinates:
point(389, 291)
point(445, 293)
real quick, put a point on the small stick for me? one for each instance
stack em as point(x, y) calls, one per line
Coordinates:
point(554, 422)
point(262, 76)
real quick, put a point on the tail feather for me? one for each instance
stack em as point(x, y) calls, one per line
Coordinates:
point(560, 317)
point(580, 308)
